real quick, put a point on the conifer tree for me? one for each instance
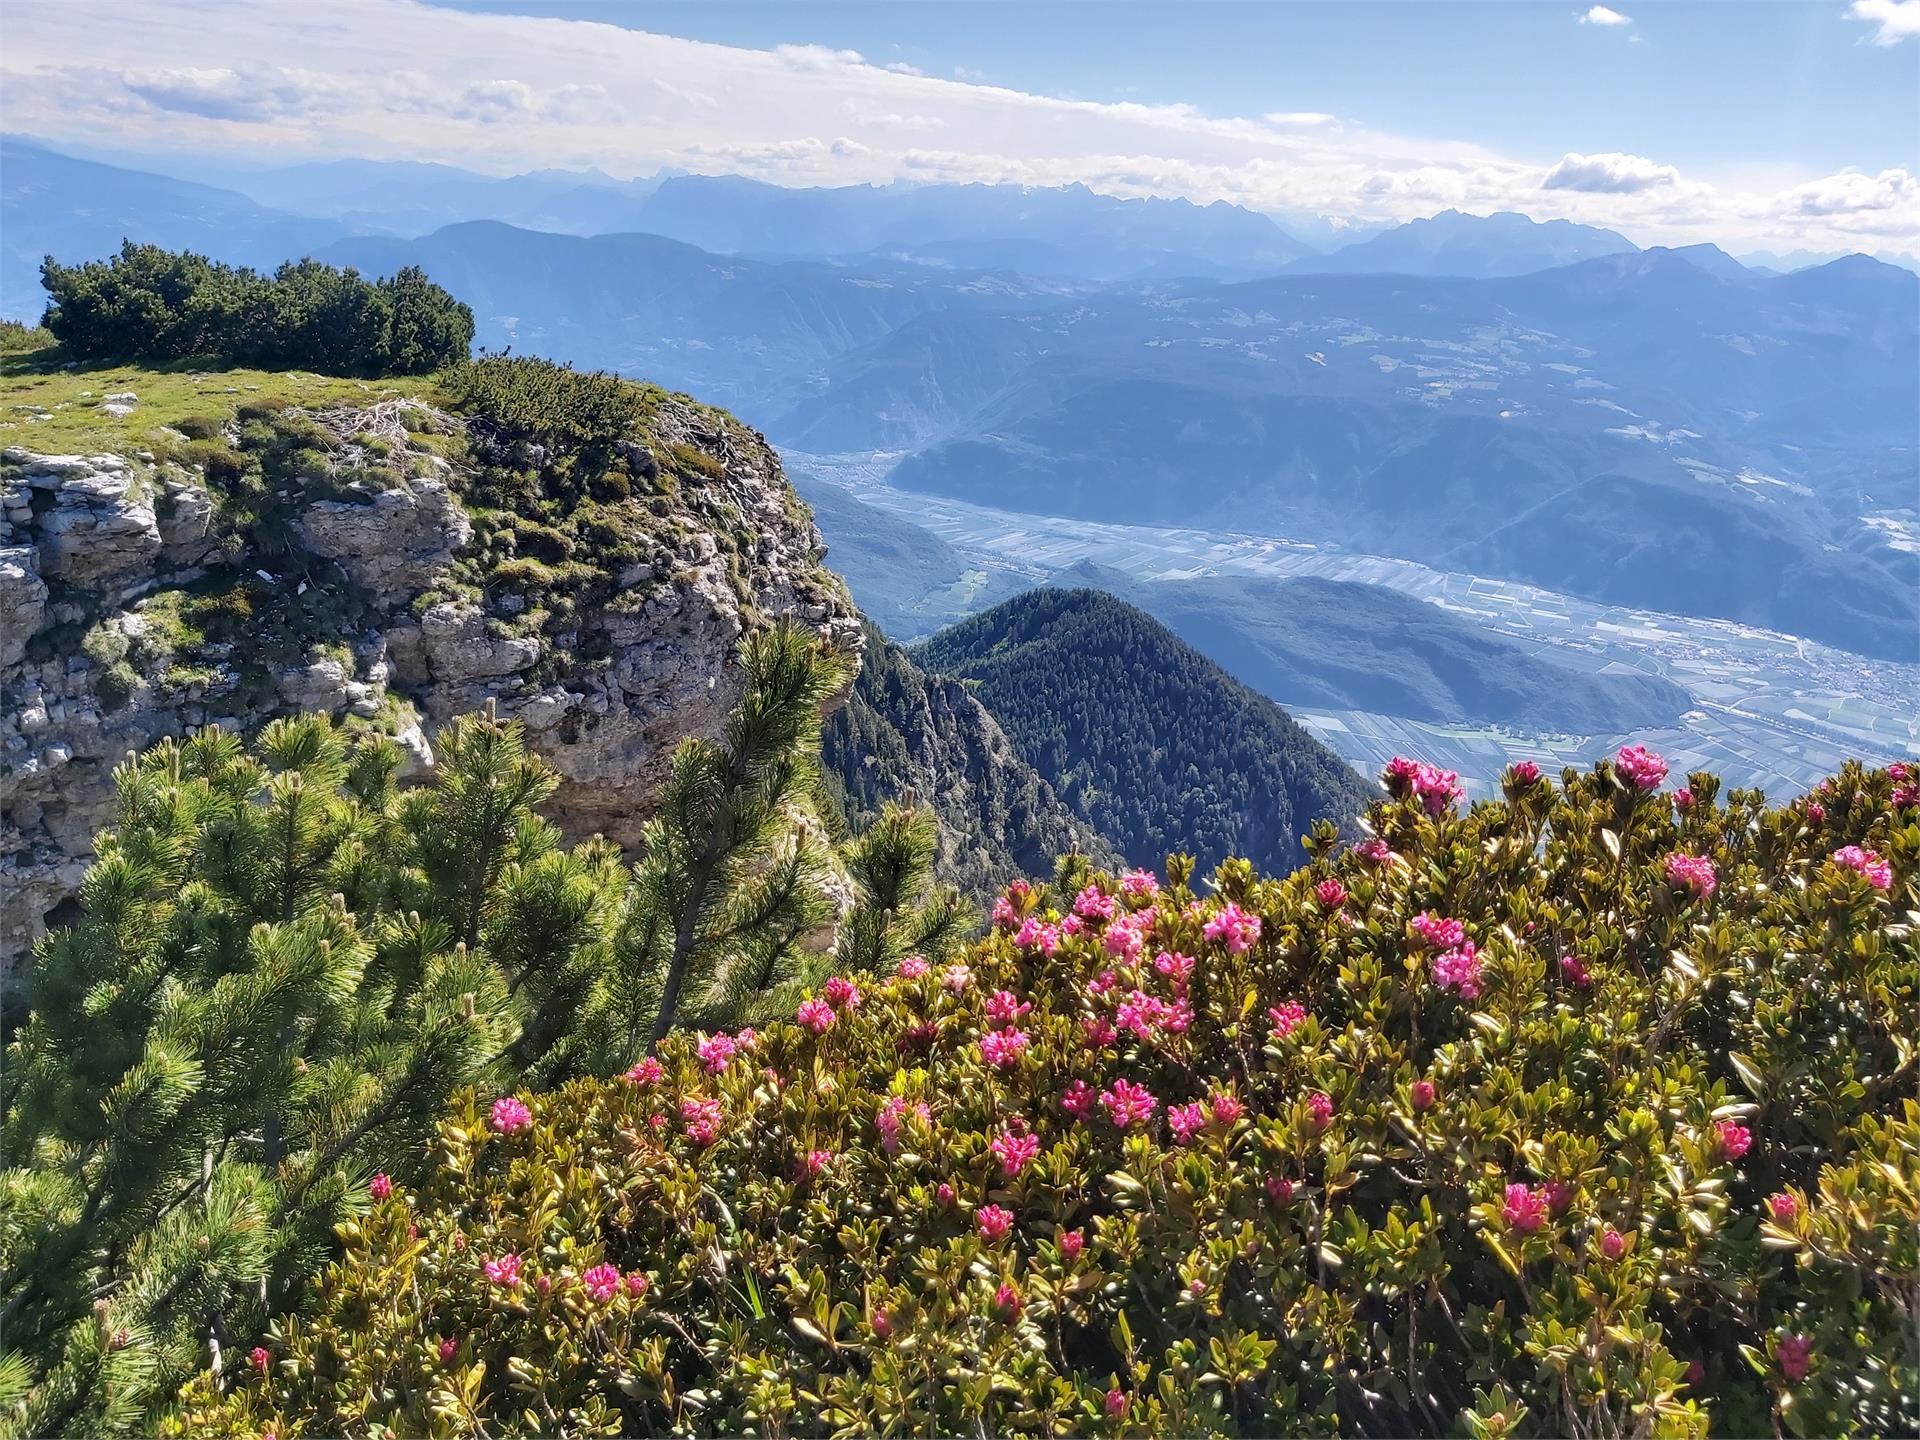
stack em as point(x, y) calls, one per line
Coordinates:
point(898, 909)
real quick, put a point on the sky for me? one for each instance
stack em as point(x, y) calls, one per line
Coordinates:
point(1782, 126)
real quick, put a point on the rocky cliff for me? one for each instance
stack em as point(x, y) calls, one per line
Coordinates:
point(398, 562)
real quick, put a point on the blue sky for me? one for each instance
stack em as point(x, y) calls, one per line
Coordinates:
point(1695, 84)
point(1780, 126)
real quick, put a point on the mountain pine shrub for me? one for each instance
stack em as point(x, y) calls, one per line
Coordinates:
point(1586, 1112)
point(287, 965)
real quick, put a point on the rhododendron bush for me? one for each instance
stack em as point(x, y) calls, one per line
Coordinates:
point(1505, 1121)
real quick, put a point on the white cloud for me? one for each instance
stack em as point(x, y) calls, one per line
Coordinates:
point(1609, 174)
point(1601, 15)
point(499, 93)
point(1898, 19)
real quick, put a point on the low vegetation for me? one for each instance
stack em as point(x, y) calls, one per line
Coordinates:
point(156, 305)
point(1587, 1112)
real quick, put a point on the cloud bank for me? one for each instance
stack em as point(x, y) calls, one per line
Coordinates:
point(396, 79)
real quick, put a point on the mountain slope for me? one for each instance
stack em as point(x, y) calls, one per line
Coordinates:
point(1330, 644)
point(1451, 243)
point(1148, 740)
point(905, 732)
point(78, 210)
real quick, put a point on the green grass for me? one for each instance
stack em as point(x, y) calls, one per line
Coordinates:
point(76, 423)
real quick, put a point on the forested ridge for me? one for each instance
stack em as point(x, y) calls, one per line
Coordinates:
point(1158, 748)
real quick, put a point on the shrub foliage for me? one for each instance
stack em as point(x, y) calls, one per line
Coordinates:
point(155, 305)
point(1587, 1112)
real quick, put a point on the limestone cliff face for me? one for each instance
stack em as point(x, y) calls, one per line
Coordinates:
point(341, 562)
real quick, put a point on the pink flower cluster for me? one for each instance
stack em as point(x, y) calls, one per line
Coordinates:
point(647, 1072)
point(1878, 872)
point(1014, 1149)
point(1037, 934)
point(716, 1052)
point(1186, 1121)
point(1002, 1049)
point(601, 1283)
point(1693, 873)
point(1139, 885)
point(1640, 767)
point(841, 993)
point(994, 1222)
point(1459, 969)
point(1574, 970)
point(1525, 1210)
point(1331, 894)
point(1093, 903)
point(1004, 1007)
point(702, 1119)
point(510, 1115)
point(503, 1271)
point(1733, 1138)
point(1433, 787)
point(914, 967)
point(1147, 1015)
point(1795, 1354)
point(1286, 1017)
point(1126, 937)
point(817, 1015)
point(1438, 932)
point(1078, 1100)
point(1525, 773)
point(1319, 1110)
point(1178, 970)
point(380, 1187)
point(1128, 1104)
point(1235, 928)
point(1375, 851)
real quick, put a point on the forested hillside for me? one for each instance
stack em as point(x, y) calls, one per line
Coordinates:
point(906, 734)
point(1152, 743)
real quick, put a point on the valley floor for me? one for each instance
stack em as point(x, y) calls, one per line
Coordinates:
point(1769, 710)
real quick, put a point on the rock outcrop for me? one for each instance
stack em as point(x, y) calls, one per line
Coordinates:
point(139, 599)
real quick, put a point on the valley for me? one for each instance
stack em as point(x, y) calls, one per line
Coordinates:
point(1768, 710)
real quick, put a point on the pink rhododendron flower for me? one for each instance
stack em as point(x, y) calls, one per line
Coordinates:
point(544, 1284)
point(1014, 1150)
point(1003, 1048)
point(1559, 1197)
point(1734, 1138)
point(1331, 894)
point(1692, 873)
point(1423, 1095)
point(1037, 934)
point(1319, 1110)
point(994, 1222)
point(503, 1271)
point(1816, 812)
point(1004, 1007)
point(1375, 851)
point(1575, 971)
point(1072, 925)
point(1071, 1244)
point(1102, 983)
point(918, 1038)
point(1459, 970)
point(636, 1283)
point(1683, 799)
point(449, 1347)
point(601, 1283)
point(1783, 1208)
point(647, 1072)
point(892, 1114)
point(1186, 1121)
point(1098, 1032)
point(944, 1196)
point(380, 1187)
point(715, 1052)
point(1004, 915)
point(1235, 928)
point(702, 1119)
point(882, 1325)
point(1177, 968)
point(1093, 903)
point(1879, 873)
point(816, 1015)
point(1139, 885)
point(1640, 767)
point(813, 1162)
point(510, 1115)
point(956, 977)
point(914, 967)
point(1078, 1100)
point(1008, 1302)
point(1286, 1017)
point(1438, 932)
point(1525, 1210)
point(1226, 1107)
point(260, 1357)
point(1906, 796)
point(1525, 772)
point(1279, 1190)
point(1116, 1403)
point(1795, 1353)
point(1123, 940)
point(1398, 776)
point(1128, 1104)
point(841, 993)
point(1436, 788)
point(1612, 1243)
